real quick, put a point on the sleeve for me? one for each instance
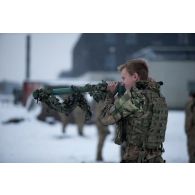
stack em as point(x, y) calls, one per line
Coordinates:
point(127, 105)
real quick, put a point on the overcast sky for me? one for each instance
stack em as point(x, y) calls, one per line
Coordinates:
point(50, 54)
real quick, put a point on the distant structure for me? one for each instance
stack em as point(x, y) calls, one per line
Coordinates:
point(28, 56)
point(171, 57)
point(7, 87)
point(104, 51)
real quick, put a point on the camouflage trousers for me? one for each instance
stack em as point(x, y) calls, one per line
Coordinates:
point(103, 131)
point(133, 154)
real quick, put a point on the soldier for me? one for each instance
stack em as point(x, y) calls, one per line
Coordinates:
point(79, 118)
point(47, 112)
point(17, 93)
point(103, 131)
point(140, 114)
point(77, 115)
point(190, 126)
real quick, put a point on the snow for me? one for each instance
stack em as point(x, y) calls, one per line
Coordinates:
point(175, 142)
point(35, 141)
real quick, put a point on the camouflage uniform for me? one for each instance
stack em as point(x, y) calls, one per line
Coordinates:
point(103, 131)
point(76, 116)
point(141, 118)
point(190, 128)
point(79, 119)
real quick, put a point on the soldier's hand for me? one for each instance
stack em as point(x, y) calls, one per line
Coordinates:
point(112, 86)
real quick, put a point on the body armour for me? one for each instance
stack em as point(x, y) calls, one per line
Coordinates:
point(146, 129)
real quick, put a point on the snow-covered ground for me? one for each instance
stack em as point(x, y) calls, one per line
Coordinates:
point(34, 141)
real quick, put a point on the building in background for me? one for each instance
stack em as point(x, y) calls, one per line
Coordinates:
point(7, 87)
point(96, 56)
point(171, 57)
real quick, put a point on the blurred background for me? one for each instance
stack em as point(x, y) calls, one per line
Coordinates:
point(31, 132)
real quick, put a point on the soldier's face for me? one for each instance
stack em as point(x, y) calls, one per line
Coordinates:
point(128, 80)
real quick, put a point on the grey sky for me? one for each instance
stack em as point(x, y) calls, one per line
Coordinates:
point(50, 54)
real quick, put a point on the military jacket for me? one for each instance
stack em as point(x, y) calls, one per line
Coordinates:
point(140, 114)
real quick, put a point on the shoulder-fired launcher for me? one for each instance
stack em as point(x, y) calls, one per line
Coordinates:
point(75, 96)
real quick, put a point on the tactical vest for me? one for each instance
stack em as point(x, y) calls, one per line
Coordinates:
point(147, 130)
